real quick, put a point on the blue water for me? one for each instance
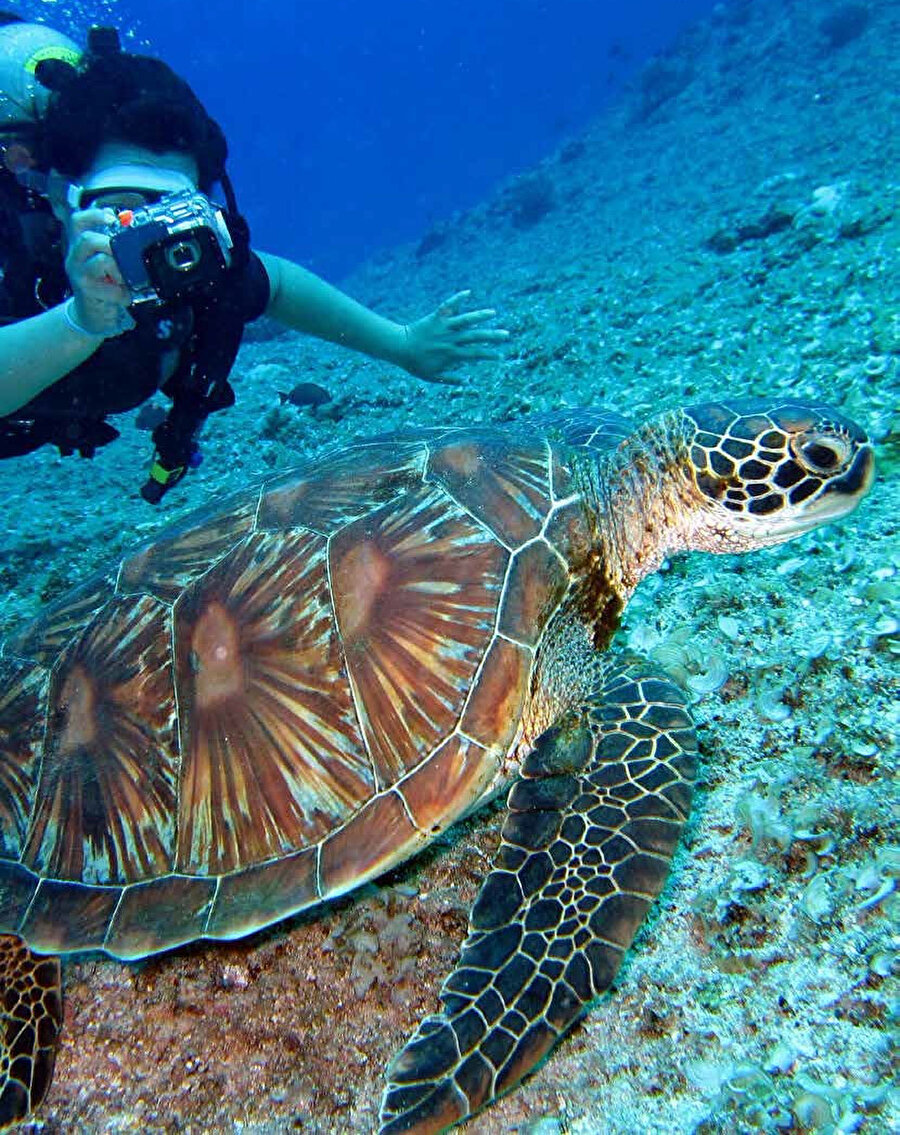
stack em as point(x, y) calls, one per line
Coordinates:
point(354, 125)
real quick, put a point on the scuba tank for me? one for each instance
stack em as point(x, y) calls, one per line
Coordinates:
point(29, 55)
point(27, 51)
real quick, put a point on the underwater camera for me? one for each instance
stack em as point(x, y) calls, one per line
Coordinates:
point(171, 248)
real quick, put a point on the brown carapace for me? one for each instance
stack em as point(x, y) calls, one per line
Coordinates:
point(280, 698)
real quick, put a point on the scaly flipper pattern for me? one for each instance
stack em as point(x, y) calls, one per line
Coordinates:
point(593, 824)
point(30, 1020)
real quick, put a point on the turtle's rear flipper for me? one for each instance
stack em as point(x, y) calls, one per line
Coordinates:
point(586, 847)
point(30, 1020)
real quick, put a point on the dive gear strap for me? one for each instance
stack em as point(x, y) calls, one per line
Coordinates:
point(199, 387)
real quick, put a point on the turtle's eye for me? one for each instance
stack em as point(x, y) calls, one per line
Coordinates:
point(824, 454)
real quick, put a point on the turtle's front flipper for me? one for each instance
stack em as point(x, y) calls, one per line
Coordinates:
point(30, 1020)
point(586, 847)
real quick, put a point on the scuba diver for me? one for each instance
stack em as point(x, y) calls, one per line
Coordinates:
point(119, 275)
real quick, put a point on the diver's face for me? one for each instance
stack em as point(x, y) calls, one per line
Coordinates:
point(123, 176)
point(124, 170)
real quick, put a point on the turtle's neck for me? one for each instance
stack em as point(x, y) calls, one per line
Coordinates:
point(639, 500)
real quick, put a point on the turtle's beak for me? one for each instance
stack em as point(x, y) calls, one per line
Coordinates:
point(838, 497)
point(847, 491)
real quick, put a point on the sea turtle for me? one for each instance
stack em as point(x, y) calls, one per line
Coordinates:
point(277, 700)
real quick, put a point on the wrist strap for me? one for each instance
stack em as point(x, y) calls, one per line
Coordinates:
point(72, 322)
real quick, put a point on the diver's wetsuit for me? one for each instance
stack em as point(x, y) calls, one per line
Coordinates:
point(185, 348)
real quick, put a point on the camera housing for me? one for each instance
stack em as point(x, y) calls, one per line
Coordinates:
point(172, 249)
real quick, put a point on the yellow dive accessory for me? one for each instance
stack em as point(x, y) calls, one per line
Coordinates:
point(23, 47)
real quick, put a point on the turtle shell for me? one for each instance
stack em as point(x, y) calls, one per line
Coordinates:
point(276, 700)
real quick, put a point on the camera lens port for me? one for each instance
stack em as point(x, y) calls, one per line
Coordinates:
point(184, 256)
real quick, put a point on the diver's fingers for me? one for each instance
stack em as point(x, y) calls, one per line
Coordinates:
point(483, 335)
point(469, 318)
point(453, 301)
point(90, 264)
point(87, 245)
point(102, 269)
point(90, 220)
point(99, 268)
point(478, 353)
point(472, 354)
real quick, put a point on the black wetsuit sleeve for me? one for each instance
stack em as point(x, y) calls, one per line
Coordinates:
point(9, 238)
point(7, 315)
point(254, 289)
point(10, 267)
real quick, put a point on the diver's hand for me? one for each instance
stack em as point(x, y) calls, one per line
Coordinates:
point(100, 294)
point(448, 337)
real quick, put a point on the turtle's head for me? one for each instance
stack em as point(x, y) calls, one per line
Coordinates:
point(772, 472)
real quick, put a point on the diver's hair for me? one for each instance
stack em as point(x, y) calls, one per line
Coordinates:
point(135, 99)
point(10, 18)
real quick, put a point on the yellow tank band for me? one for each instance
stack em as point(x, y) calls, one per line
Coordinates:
point(56, 51)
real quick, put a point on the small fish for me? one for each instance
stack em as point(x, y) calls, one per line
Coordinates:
point(149, 416)
point(305, 394)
